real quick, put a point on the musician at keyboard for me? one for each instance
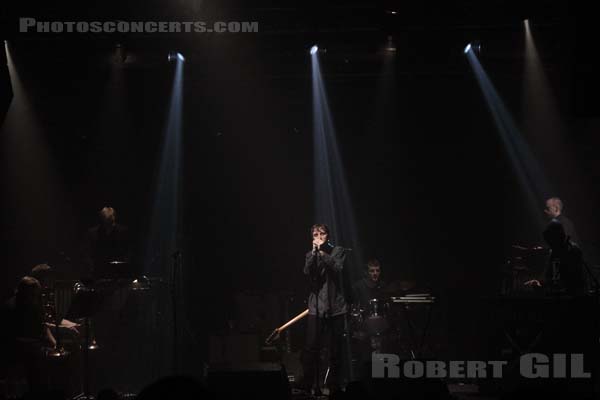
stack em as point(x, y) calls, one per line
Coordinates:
point(565, 270)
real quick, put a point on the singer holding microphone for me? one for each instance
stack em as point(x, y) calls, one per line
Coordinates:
point(323, 265)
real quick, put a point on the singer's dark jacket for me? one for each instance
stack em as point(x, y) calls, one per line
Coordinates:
point(325, 273)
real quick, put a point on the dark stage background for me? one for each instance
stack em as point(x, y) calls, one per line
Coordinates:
point(435, 197)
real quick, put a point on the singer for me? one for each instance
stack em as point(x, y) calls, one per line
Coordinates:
point(323, 265)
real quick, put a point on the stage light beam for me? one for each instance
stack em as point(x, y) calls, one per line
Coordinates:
point(532, 177)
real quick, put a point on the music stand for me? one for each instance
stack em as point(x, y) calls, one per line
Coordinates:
point(87, 301)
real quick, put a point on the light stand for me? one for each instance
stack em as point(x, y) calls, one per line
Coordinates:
point(174, 280)
point(347, 336)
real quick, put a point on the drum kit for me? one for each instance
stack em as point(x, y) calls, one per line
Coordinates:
point(387, 319)
point(370, 320)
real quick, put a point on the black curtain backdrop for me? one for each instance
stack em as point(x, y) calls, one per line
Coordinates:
point(435, 196)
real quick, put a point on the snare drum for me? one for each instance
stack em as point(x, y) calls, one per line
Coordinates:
point(376, 309)
point(375, 321)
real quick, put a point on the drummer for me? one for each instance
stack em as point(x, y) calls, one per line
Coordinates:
point(371, 286)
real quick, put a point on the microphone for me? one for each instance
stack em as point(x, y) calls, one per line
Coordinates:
point(316, 248)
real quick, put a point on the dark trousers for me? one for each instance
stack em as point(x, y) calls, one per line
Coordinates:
point(323, 332)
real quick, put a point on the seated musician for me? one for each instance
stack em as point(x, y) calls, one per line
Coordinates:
point(565, 270)
point(44, 274)
point(371, 286)
point(25, 335)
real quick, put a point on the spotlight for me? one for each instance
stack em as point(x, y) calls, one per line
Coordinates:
point(314, 49)
point(475, 46)
point(175, 56)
